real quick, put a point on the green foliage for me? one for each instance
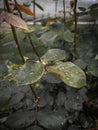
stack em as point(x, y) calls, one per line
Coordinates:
point(68, 72)
point(57, 121)
point(48, 37)
point(54, 55)
point(71, 74)
point(93, 6)
point(92, 10)
point(29, 73)
point(54, 79)
point(93, 69)
point(94, 13)
point(68, 36)
point(19, 118)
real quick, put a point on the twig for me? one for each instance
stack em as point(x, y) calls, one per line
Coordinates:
point(36, 103)
point(18, 9)
point(14, 33)
point(34, 48)
point(75, 31)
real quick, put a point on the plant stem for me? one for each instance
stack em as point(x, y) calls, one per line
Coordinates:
point(34, 48)
point(75, 31)
point(35, 95)
point(64, 13)
point(36, 103)
point(18, 9)
point(14, 33)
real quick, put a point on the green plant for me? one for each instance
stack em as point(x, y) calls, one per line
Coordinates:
point(47, 76)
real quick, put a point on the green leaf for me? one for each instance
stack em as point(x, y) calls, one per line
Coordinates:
point(92, 69)
point(54, 55)
point(82, 8)
point(94, 13)
point(68, 36)
point(60, 100)
point(20, 119)
point(69, 23)
point(80, 63)
point(29, 73)
point(48, 37)
point(15, 99)
point(5, 95)
point(51, 119)
point(71, 74)
point(3, 70)
point(96, 57)
point(39, 6)
point(93, 6)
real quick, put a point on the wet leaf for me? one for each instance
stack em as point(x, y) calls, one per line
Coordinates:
point(11, 19)
point(12, 71)
point(24, 9)
point(29, 73)
point(20, 119)
point(53, 55)
point(68, 36)
point(51, 119)
point(71, 74)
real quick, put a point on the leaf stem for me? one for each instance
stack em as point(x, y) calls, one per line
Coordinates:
point(18, 9)
point(36, 103)
point(34, 48)
point(75, 31)
point(14, 33)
